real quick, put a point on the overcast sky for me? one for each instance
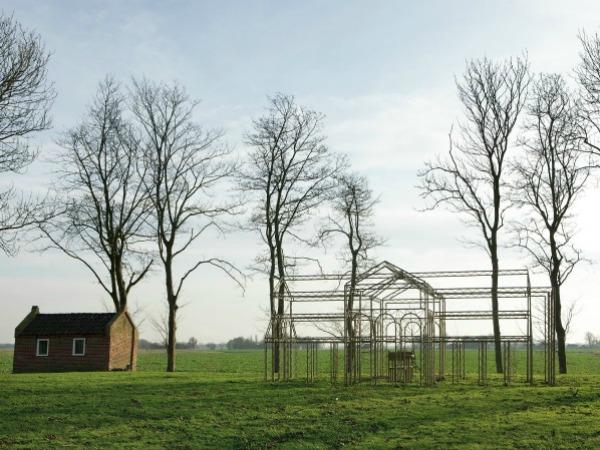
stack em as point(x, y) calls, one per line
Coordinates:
point(382, 73)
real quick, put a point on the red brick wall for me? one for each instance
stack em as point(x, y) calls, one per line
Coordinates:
point(60, 357)
point(123, 340)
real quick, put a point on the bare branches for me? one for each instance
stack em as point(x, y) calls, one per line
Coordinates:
point(550, 176)
point(103, 197)
point(160, 325)
point(568, 315)
point(184, 165)
point(224, 266)
point(25, 100)
point(18, 212)
point(290, 170)
point(290, 163)
point(353, 204)
point(470, 180)
point(25, 94)
point(588, 74)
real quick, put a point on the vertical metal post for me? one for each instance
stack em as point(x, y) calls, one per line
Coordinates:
point(482, 363)
point(453, 362)
point(442, 340)
point(551, 338)
point(529, 334)
point(507, 363)
point(464, 361)
point(265, 361)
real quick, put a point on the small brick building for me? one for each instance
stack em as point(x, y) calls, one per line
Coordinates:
point(75, 342)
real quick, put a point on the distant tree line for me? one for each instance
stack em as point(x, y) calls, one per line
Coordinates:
point(238, 343)
point(242, 343)
point(191, 344)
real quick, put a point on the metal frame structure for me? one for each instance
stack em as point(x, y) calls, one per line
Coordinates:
point(401, 329)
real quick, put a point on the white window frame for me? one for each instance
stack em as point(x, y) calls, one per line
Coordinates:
point(37, 347)
point(84, 345)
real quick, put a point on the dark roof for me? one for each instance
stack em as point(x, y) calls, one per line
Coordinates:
point(77, 323)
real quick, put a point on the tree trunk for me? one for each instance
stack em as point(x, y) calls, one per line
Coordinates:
point(350, 346)
point(560, 329)
point(172, 300)
point(555, 284)
point(560, 334)
point(278, 325)
point(120, 283)
point(273, 308)
point(119, 308)
point(172, 341)
point(495, 318)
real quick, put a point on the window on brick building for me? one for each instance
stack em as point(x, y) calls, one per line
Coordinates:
point(42, 346)
point(79, 347)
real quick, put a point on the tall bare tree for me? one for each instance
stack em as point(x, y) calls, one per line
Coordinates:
point(549, 178)
point(185, 165)
point(470, 181)
point(289, 169)
point(103, 196)
point(353, 204)
point(25, 100)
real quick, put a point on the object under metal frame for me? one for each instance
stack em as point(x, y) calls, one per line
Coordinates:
point(396, 312)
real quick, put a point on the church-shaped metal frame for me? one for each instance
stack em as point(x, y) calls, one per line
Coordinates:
point(396, 327)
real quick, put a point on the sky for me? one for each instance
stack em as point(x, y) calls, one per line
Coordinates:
point(382, 72)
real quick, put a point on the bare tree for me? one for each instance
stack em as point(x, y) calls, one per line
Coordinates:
point(105, 202)
point(470, 181)
point(160, 324)
point(289, 169)
point(353, 204)
point(591, 339)
point(25, 100)
point(549, 178)
point(184, 166)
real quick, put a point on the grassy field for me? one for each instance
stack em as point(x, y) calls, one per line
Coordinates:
point(219, 401)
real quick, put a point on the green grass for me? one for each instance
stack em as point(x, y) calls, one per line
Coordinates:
point(218, 400)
